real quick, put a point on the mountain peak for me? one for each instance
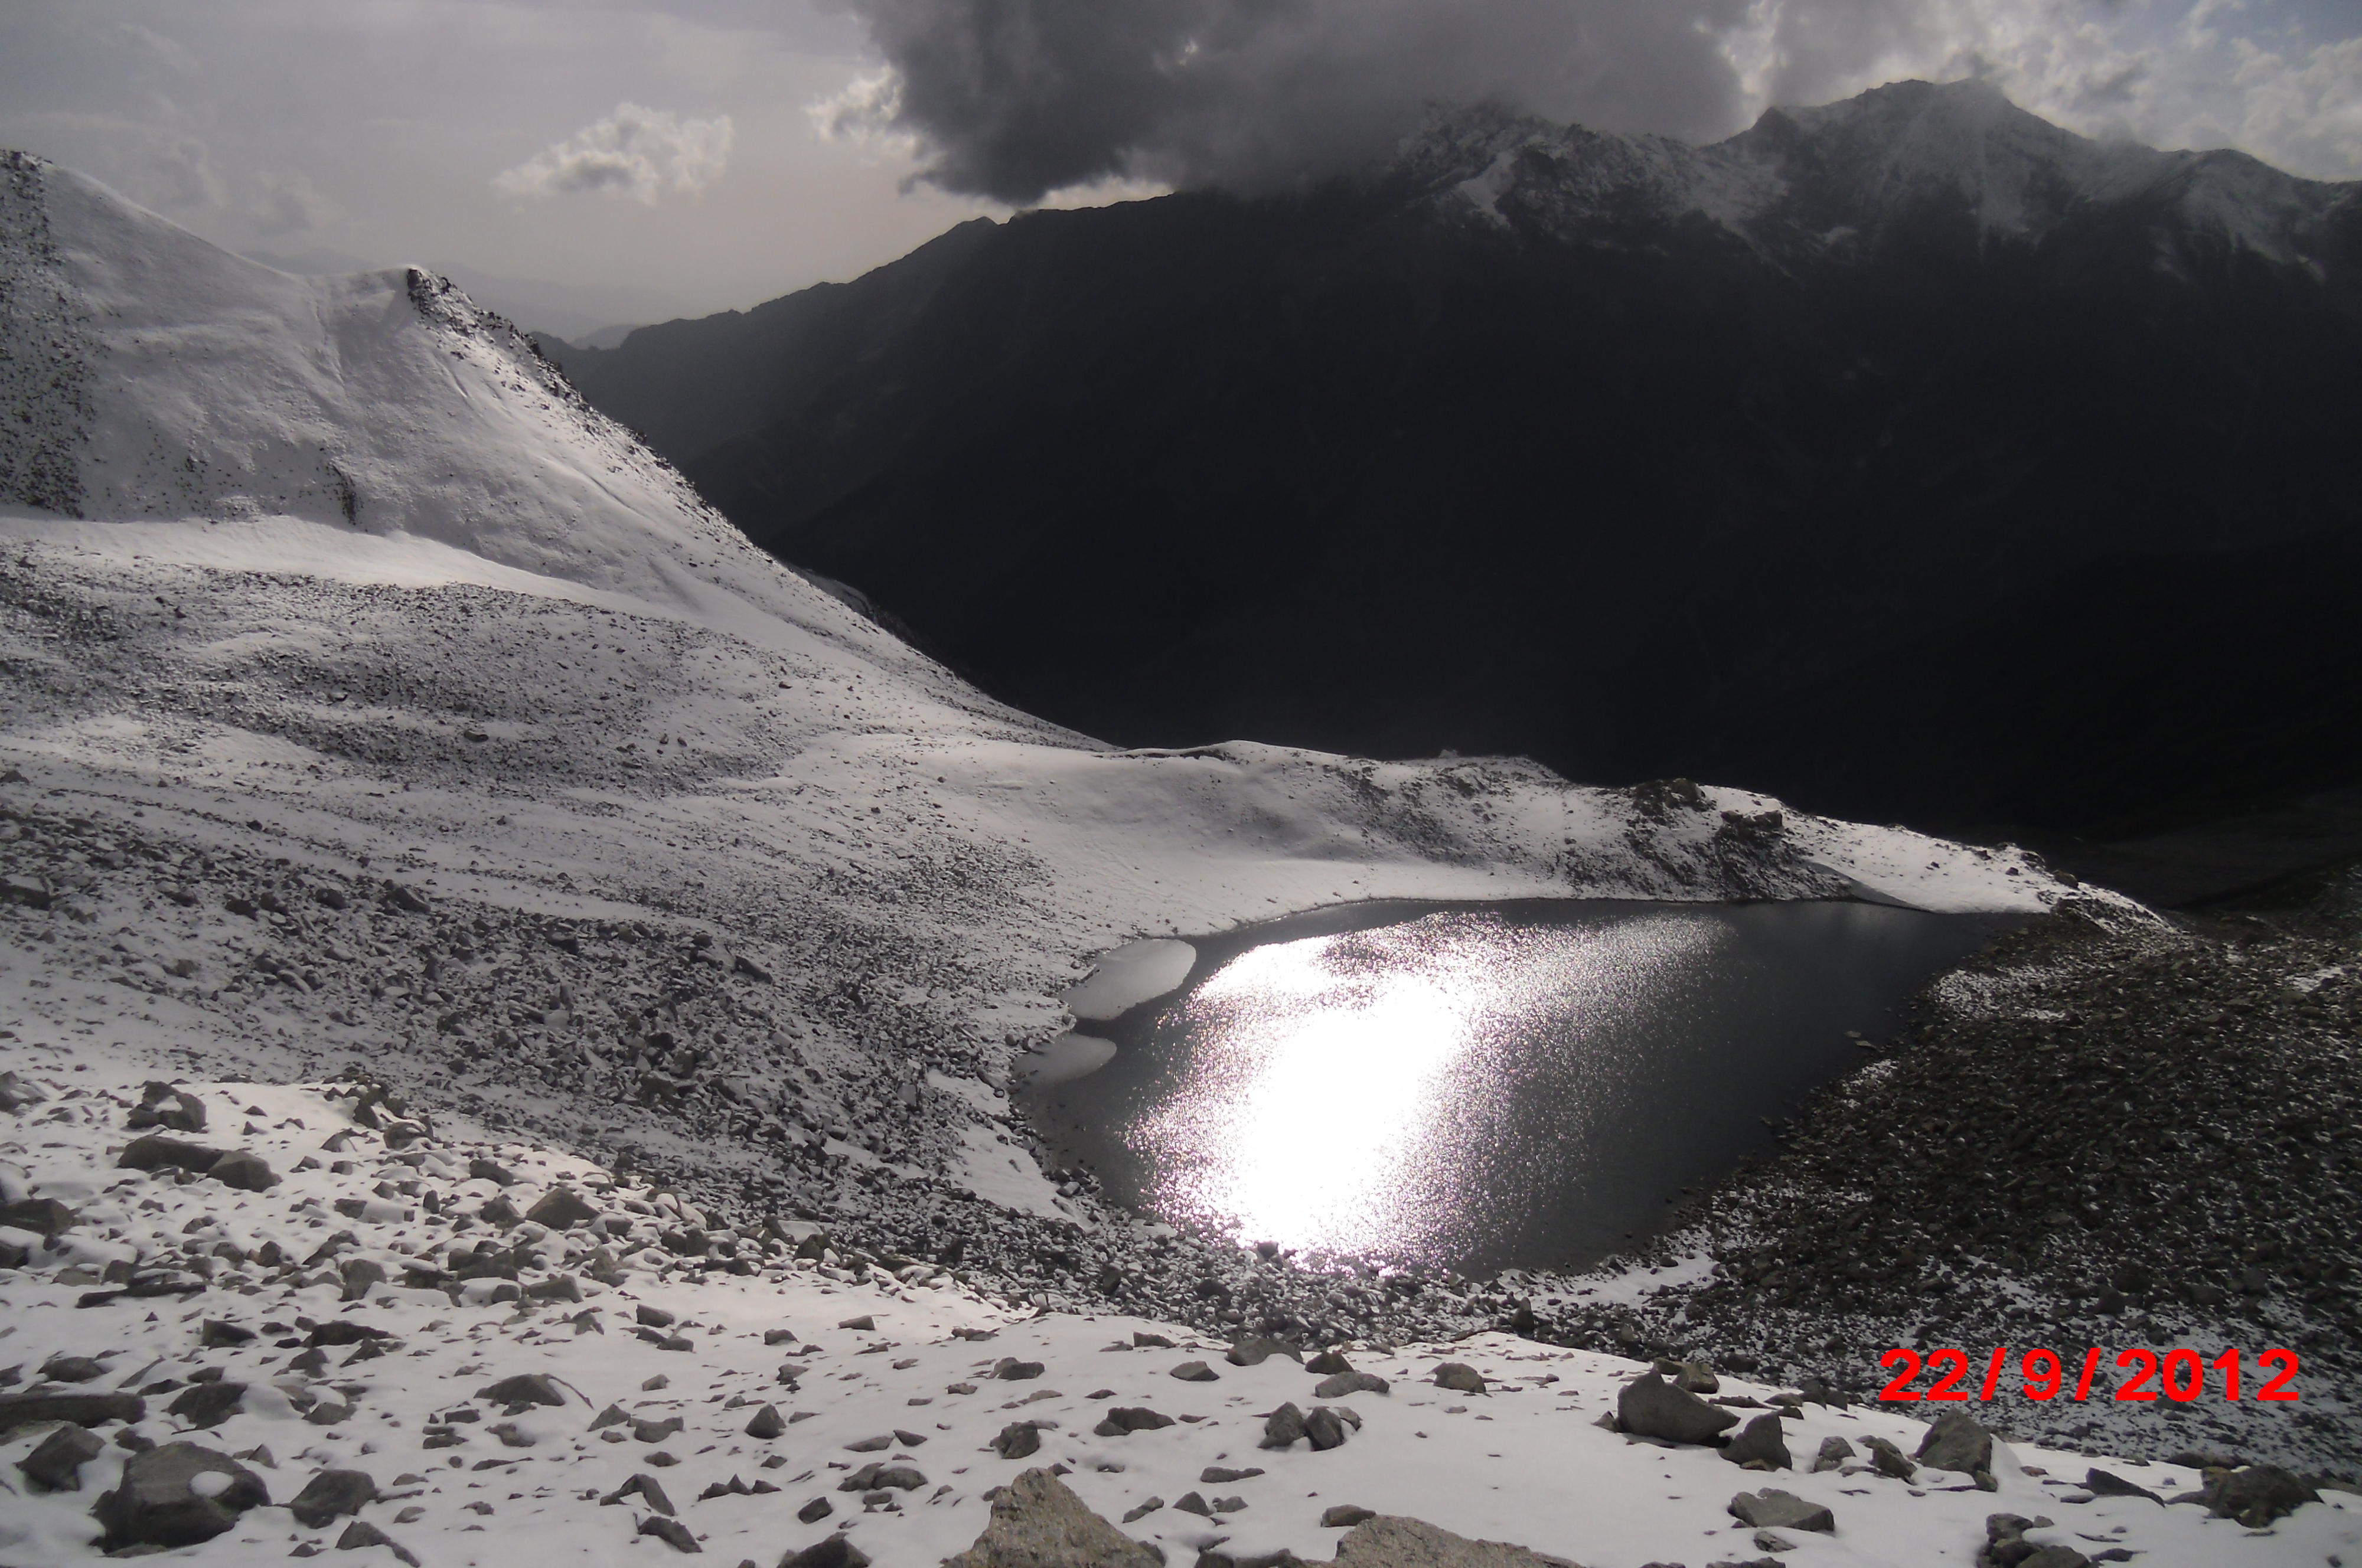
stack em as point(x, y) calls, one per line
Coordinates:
point(1806, 182)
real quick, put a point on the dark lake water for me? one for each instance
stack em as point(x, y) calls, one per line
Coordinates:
point(1519, 1085)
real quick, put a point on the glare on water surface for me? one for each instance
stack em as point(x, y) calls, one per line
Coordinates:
point(1358, 1092)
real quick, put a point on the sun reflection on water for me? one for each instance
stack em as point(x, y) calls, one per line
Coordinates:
point(1350, 1093)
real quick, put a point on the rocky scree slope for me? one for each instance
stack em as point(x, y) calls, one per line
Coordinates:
point(2090, 1135)
point(247, 1320)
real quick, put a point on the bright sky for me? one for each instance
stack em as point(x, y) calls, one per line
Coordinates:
point(671, 146)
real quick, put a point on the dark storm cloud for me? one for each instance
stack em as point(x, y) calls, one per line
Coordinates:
point(1016, 97)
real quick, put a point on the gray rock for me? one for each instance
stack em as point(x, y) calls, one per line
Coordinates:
point(244, 1170)
point(1323, 1426)
point(1761, 1440)
point(1956, 1442)
point(877, 1444)
point(1889, 1460)
point(1038, 1523)
point(1135, 1514)
point(358, 1276)
point(836, 1551)
point(156, 1152)
point(864, 1324)
point(1690, 1377)
point(1282, 1426)
point(1256, 1349)
point(1017, 1440)
point(525, 1389)
point(815, 1511)
point(1222, 1474)
point(207, 1404)
point(1193, 1503)
point(1650, 1407)
point(644, 1486)
point(672, 1532)
point(873, 1477)
point(1834, 1452)
point(64, 1368)
point(1344, 1516)
point(2056, 1557)
point(332, 1492)
point(1339, 1385)
point(1008, 1369)
point(161, 1104)
point(767, 1424)
point(153, 1504)
point(46, 1216)
point(482, 1169)
point(1194, 1372)
point(1125, 1419)
point(1460, 1375)
point(218, 1335)
point(1388, 1542)
point(1774, 1509)
point(2100, 1484)
point(56, 1462)
point(561, 1209)
point(2256, 1496)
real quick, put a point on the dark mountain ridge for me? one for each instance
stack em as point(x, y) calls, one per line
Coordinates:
point(1877, 456)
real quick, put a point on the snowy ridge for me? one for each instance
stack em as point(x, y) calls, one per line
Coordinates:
point(1799, 179)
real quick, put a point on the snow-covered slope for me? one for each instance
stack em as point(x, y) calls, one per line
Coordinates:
point(318, 582)
point(1801, 179)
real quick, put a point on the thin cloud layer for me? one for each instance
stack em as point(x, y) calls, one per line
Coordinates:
point(636, 153)
point(1008, 99)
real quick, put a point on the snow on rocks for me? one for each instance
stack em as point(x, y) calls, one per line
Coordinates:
point(447, 1425)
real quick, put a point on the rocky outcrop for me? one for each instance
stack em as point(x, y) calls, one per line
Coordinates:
point(1037, 1522)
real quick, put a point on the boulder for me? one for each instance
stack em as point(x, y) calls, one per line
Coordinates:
point(1282, 1426)
point(64, 1368)
point(672, 1532)
point(360, 1533)
point(1650, 1407)
point(767, 1424)
point(1038, 1523)
point(1388, 1542)
point(1460, 1375)
point(161, 1104)
point(524, 1388)
point(1017, 1440)
point(1774, 1509)
point(56, 1462)
point(834, 1551)
point(177, 1494)
point(156, 1152)
point(207, 1404)
point(1761, 1440)
point(644, 1486)
point(1325, 1429)
point(82, 1409)
point(1194, 1372)
point(1956, 1443)
point(331, 1494)
point(1889, 1460)
point(45, 1216)
point(1010, 1369)
point(2256, 1496)
point(561, 1209)
point(873, 1477)
point(1339, 1384)
point(1344, 1516)
point(1834, 1452)
point(1125, 1419)
point(1256, 1349)
point(244, 1170)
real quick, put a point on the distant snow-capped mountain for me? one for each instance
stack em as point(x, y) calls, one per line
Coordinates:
point(1807, 181)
